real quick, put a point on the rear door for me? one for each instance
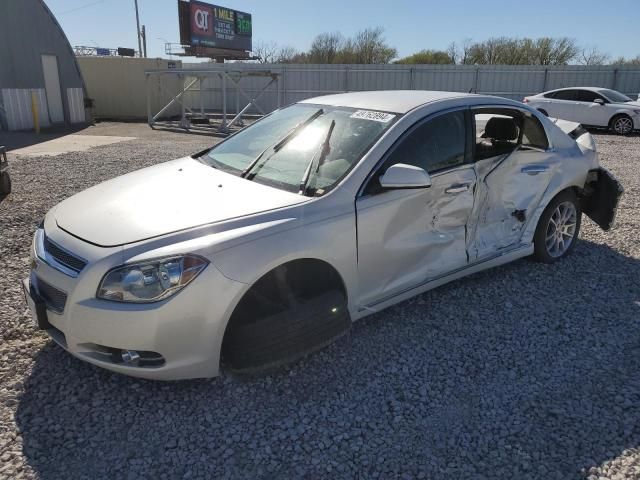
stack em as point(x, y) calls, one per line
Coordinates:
point(564, 105)
point(406, 237)
point(513, 167)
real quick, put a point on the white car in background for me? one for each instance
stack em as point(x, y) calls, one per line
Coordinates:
point(590, 106)
point(268, 245)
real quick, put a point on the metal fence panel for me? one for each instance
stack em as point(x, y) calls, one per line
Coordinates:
point(298, 82)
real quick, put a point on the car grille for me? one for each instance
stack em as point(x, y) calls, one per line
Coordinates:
point(62, 256)
point(54, 299)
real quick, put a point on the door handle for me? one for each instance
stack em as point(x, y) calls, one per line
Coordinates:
point(457, 188)
point(534, 169)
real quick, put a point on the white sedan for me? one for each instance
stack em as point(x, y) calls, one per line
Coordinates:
point(592, 106)
point(267, 246)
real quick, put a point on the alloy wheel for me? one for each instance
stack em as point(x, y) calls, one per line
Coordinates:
point(561, 229)
point(623, 125)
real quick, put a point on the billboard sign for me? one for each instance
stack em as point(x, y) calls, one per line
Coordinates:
point(212, 26)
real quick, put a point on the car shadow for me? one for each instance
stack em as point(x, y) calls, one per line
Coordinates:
point(536, 377)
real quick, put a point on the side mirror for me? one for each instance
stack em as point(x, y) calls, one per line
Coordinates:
point(402, 175)
point(599, 101)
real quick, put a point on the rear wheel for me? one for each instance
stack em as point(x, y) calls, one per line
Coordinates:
point(621, 124)
point(558, 228)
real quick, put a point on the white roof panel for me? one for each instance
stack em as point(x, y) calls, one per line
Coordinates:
point(397, 101)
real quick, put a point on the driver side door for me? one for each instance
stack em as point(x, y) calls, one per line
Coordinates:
point(407, 237)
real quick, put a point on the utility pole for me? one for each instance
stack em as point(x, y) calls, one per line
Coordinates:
point(144, 41)
point(138, 29)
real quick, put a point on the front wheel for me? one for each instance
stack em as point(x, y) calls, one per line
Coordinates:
point(558, 228)
point(621, 124)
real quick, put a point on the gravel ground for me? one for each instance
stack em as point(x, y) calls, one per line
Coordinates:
point(524, 371)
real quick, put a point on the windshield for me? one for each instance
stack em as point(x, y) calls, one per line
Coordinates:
point(313, 144)
point(615, 97)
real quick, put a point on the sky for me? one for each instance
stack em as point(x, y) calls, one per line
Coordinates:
point(409, 25)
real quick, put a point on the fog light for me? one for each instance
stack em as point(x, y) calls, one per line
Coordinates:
point(130, 357)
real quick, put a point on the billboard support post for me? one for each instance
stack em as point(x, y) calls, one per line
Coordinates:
point(225, 75)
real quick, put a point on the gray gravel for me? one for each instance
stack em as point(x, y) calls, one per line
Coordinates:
point(525, 371)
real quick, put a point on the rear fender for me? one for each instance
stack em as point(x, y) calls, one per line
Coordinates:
point(601, 194)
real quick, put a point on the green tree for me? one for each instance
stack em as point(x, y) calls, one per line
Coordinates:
point(428, 57)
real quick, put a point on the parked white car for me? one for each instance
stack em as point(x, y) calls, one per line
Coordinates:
point(267, 246)
point(591, 106)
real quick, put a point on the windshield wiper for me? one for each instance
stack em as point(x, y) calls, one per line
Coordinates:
point(313, 164)
point(280, 144)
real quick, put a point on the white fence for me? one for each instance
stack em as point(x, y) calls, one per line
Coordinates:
point(297, 82)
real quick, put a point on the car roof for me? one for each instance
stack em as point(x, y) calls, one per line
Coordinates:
point(591, 89)
point(397, 101)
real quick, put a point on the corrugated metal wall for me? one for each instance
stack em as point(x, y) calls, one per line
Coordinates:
point(17, 106)
point(75, 99)
point(117, 86)
point(298, 82)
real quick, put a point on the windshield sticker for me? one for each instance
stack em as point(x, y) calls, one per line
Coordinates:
point(375, 116)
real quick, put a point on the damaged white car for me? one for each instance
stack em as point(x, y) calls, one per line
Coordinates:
point(267, 246)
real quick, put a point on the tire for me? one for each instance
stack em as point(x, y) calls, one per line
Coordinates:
point(287, 336)
point(550, 244)
point(543, 111)
point(621, 124)
point(5, 184)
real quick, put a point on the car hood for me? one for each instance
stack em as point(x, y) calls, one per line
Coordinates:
point(162, 199)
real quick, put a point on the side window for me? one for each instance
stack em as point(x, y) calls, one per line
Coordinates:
point(566, 95)
point(588, 96)
point(497, 132)
point(434, 145)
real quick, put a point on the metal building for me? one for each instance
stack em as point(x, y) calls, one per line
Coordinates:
point(37, 68)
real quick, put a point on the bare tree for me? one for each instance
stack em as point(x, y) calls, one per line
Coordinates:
point(626, 61)
point(592, 56)
point(287, 54)
point(265, 51)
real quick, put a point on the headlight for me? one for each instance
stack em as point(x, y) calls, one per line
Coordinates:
point(150, 281)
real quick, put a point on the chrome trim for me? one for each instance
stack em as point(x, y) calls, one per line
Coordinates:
point(43, 255)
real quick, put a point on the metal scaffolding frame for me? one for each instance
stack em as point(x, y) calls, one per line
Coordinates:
point(191, 78)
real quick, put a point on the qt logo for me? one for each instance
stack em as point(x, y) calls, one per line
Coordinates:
point(201, 17)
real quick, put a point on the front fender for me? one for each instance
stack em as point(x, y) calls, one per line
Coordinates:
point(332, 240)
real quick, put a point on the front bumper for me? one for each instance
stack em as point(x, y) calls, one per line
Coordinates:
point(186, 330)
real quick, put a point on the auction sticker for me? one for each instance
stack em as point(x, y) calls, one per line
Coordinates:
point(375, 116)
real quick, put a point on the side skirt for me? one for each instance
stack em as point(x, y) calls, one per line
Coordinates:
point(495, 261)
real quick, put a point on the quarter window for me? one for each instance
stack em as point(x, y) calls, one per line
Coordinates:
point(435, 145)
